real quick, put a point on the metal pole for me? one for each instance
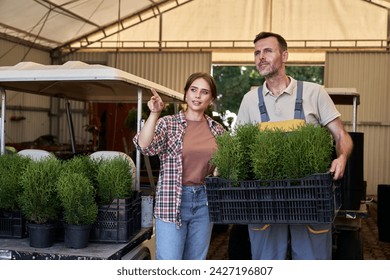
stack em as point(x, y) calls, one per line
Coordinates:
point(70, 125)
point(354, 113)
point(2, 122)
point(139, 125)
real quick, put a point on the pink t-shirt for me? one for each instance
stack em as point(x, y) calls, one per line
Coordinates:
point(198, 147)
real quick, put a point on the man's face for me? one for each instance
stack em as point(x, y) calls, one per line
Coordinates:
point(268, 58)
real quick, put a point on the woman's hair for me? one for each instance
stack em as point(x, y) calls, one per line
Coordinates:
point(207, 77)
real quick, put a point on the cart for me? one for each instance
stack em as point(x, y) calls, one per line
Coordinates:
point(79, 81)
point(19, 249)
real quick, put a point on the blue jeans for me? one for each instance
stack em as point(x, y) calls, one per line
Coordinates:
point(191, 241)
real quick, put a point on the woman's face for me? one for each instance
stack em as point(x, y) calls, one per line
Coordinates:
point(198, 96)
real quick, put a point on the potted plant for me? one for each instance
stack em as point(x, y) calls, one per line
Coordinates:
point(12, 223)
point(39, 200)
point(114, 180)
point(115, 196)
point(77, 196)
point(11, 166)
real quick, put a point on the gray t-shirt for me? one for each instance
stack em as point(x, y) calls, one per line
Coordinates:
point(317, 105)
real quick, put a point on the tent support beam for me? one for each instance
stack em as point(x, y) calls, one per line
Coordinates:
point(2, 122)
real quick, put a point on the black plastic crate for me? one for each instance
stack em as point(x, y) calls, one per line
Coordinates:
point(136, 206)
point(12, 224)
point(311, 200)
point(114, 223)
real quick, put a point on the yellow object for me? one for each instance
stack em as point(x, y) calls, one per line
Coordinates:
point(282, 125)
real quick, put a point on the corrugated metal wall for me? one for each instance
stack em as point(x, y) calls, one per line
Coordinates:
point(33, 108)
point(369, 73)
point(87, 57)
point(168, 69)
point(39, 119)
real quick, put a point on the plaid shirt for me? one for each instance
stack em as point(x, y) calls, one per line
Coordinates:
point(168, 145)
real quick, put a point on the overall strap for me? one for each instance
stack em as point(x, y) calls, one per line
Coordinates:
point(298, 112)
point(263, 110)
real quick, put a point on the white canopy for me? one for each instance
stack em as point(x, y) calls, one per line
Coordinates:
point(76, 80)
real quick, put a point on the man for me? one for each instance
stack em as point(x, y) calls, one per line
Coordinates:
point(283, 98)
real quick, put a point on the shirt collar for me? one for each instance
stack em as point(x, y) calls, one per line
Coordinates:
point(289, 90)
point(182, 119)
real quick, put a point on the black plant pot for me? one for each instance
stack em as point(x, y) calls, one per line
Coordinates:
point(77, 236)
point(41, 235)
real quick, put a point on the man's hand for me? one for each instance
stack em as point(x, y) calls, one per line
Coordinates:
point(337, 168)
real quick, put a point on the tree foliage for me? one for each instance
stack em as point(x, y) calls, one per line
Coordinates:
point(234, 81)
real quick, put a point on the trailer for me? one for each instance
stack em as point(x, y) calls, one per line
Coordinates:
point(79, 81)
point(140, 247)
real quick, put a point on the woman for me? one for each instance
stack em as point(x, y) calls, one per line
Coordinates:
point(185, 143)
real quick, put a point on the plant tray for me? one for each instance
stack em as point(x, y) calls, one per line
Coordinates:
point(12, 224)
point(311, 200)
point(114, 223)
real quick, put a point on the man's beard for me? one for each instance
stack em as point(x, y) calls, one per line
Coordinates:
point(270, 73)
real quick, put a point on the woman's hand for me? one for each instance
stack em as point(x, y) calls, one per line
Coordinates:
point(155, 104)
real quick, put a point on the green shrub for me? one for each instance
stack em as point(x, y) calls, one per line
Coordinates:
point(308, 151)
point(267, 155)
point(296, 154)
point(114, 180)
point(11, 168)
point(228, 158)
point(246, 135)
point(232, 157)
point(273, 154)
point(83, 165)
point(77, 196)
point(39, 200)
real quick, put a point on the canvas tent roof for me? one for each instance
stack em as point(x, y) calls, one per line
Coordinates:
point(224, 27)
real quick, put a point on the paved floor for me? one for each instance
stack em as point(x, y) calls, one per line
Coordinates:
point(373, 249)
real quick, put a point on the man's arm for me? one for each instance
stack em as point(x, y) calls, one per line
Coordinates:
point(344, 146)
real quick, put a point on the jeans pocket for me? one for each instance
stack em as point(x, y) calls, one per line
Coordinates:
point(318, 229)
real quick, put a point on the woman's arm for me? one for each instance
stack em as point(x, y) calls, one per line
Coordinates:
point(156, 105)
